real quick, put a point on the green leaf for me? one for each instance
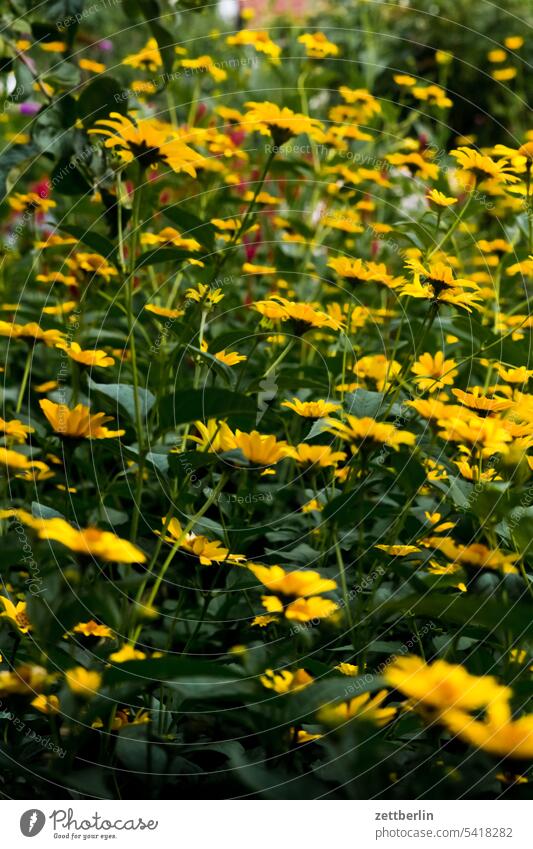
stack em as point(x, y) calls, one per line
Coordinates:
point(190, 226)
point(50, 124)
point(191, 405)
point(123, 395)
point(14, 156)
point(363, 403)
point(93, 240)
point(159, 255)
point(99, 99)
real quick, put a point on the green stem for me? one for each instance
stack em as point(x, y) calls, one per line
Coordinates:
point(24, 381)
point(449, 233)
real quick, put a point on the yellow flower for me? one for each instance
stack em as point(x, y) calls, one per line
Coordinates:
point(311, 409)
point(206, 550)
point(52, 46)
point(259, 448)
point(443, 686)
point(416, 164)
point(436, 282)
point(358, 431)
point(404, 80)
point(144, 141)
point(91, 66)
point(440, 199)
point(514, 42)
point(15, 430)
point(48, 705)
point(281, 123)
point(214, 436)
point(204, 294)
point(259, 39)
point(83, 682)
point(303, 316)
point(90, 541)
point(297, 583)
point(285, 681)
point(477, 400)
point(250, 268)
point(498, 734)
point(307, 609)
point(31, 331)
point(443, 57)
point(86, 358)
point(504, 74)
point(205, 63)
point(170, 236)
point(91, 264)
point(348, 669)
point(365, 708)
point(127, 653)
point(230, 358)
point(497, 56)
point(31, 202)
point(317, 45)
point(78, 423)
point(16, 613)
point(163, 312)
point(147, 59)
point(25, 680)
point(92, 629)
point(482, 167)
point(484, 434)
point(14, 460)
point(434, 372)
point(315, 455)
point(398, 550)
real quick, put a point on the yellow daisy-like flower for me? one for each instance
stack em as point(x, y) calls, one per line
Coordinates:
point(14, 460)
point(498, 734)
point(259, 448)
point(170, 236)
point(279, 122)
point(443, 686)
point(164, 312)
point(78, 423)
point(206, 550)
point(297, 583)
point(31, 331)
point(433, 372)
point(486, 435)
point(359, 431)
point(86, 358)
point(91, 66)
point(482, 167)
point(347, 669)
point(15, 430)
point(147, 59)
point(126, 653)
point(311, 409)
point(30, 202)
point(144, 141)
point(259, 39)
point(24, 680)
point(303, 316)
point(316, 455)
point(477, 400)
point(308, 609)
point(205, 63)
point(285, 681)
point(436, 282)
point(83, 682)
point(205, 294)
point(214, 435)
point(16, 613)
point(317, 45)
point(440, 199)
point(93, 629)
point(230, 358)
point(89, 541)
point(404, 80)
point(503, 75)
point(365, 708)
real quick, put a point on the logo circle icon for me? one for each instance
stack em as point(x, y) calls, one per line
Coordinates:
point(32, 822)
